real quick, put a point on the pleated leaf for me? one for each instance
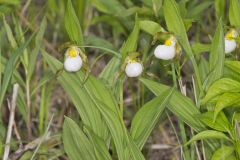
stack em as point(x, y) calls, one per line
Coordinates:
point(217, 56)
point(234, 13)
point(100, 147)
point(132, 41)
point(147, 117)
point(180, 105)
point(150, 27)
point(221, 86)
point(220, 123)
point(226, 100)
point(223, 153)
point(208, 134)
point(72, 24)
point(75, 142)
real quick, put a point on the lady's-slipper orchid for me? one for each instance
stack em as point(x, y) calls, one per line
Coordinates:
point(166, 51)
point(133, 68)
point(73, 61)
point(230, 42)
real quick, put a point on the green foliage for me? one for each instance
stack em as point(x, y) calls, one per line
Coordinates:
point(220, 123)
point(72, 24)
point(147, 117)
point(100, 115)
point(132, 41)
point(221, 86)
point(217, 56)
point(10, 67)
point(222, 153)
point(150, 27)
point(208, 134)
point(180, 105)
point(234, 13)
point(76, 143)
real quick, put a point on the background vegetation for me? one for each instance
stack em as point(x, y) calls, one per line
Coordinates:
point(186, 108)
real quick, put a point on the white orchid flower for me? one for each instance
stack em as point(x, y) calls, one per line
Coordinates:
point(73, 61)
point(133, 68)
point(166, 51)
point(230, 42)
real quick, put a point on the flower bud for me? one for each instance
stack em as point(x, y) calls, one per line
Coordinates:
point(73, 61)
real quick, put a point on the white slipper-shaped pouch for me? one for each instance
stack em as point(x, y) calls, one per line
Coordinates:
point(230, 45)
point(165, 52)
point(134, 69)
point(73, 61)
point(230, 42)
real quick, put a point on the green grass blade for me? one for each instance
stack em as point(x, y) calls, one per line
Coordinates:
point(10, 67)
point(38, 45)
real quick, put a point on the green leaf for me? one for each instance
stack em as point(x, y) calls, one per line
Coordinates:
point(220, 8)
point(100, 148)
point(221, 86)
point(232, 70)
point(220, 124)
point(180, 105)
point(132, 41)
point(200, 48)
point(234, 13)
point(110, 6)
point(118, 132)
point(75, 142)
point(157, 5)
point(116, 26)
point(217, 56)
point(110, 70)
point(12, 2)
point(10, 67)
point(96, 41)
point(147, 117)
point(197, 11)
point(72, 25)
point(150, 27)
point(208, 134)
point(226, 100)
point(9, 34)
point(223, 153)
point(203, 68)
